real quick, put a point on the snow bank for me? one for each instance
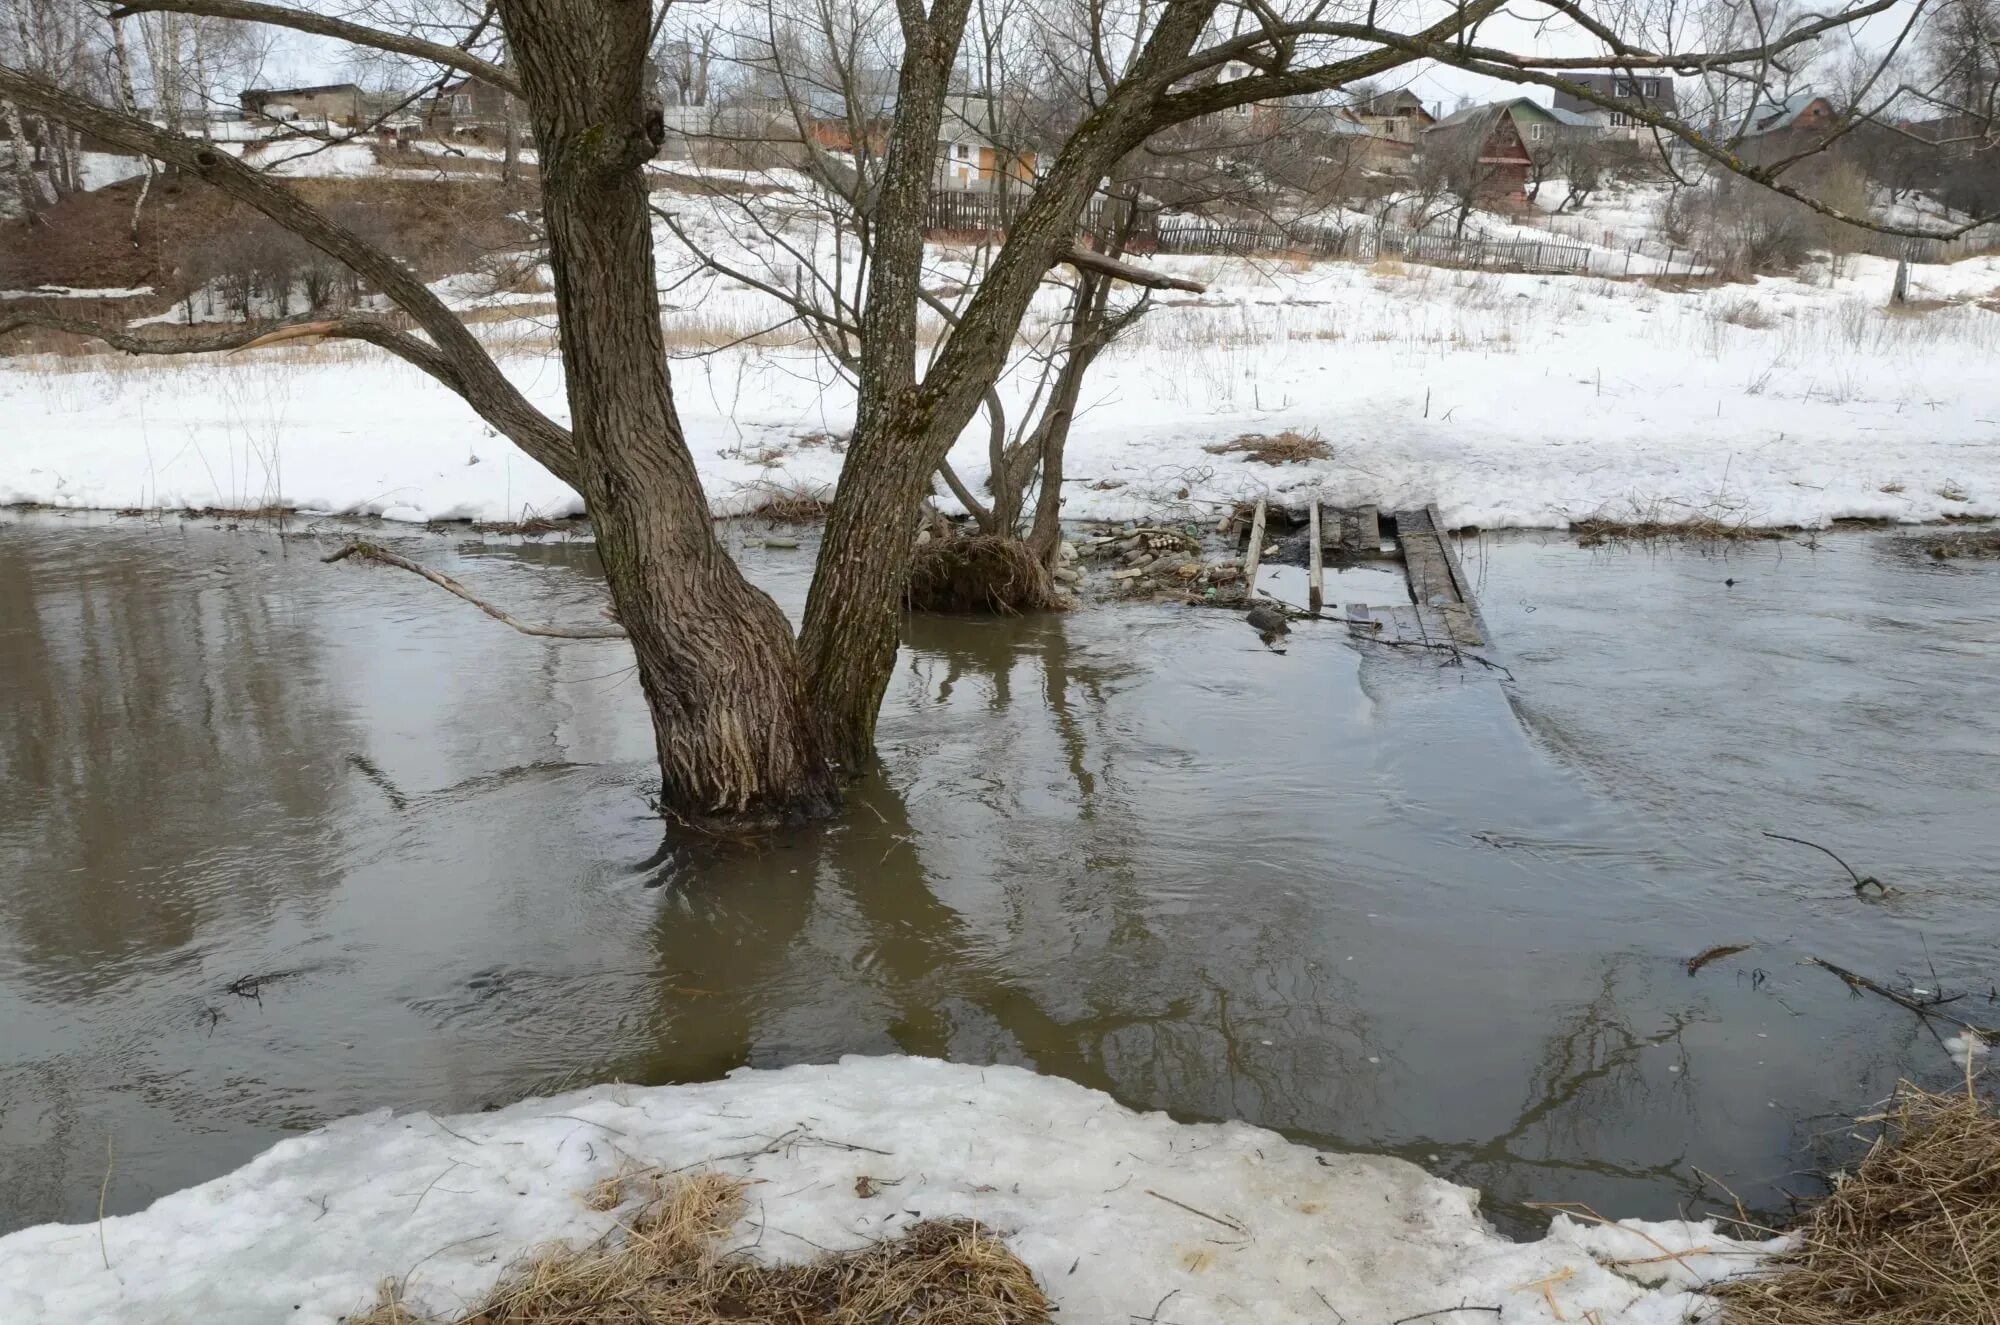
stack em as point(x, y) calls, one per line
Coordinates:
point(1509, 400)
point(1113, 1210)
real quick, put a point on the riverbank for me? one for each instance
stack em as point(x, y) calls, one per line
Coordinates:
point(1119, 1214)
point(1508, 400)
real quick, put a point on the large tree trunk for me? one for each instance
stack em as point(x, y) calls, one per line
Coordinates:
point(854, 611)
point(903, 428)
point(715, 655)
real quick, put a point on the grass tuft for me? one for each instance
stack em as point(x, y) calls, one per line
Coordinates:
point(671, 1268)
point(1910, 1237)
point(1289, 447)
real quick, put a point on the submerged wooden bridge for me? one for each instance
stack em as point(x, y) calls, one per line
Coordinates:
point(1441, 611)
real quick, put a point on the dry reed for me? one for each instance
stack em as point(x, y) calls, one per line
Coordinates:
point(1910, 1237)
point(671, 1268)
point(1285, 448)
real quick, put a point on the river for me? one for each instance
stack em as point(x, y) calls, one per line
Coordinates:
point(283, 841)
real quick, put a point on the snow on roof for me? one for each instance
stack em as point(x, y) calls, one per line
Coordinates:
point(1775, 115)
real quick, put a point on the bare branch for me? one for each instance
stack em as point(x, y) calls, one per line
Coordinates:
point(471, 371)
point(1087, 260)
point(372, 552)
point(250, 336)
point(300, 20)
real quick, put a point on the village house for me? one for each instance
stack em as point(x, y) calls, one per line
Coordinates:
point(1637, 91)
point(342, 104)
point(467, 107)
point(1398, 116)
point(970, 157)
point(1481, 146)
point(1780, 128)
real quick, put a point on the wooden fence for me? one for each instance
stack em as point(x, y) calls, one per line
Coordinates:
point(980, 213)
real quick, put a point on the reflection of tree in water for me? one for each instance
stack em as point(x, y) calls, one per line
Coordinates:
point(1591, 1078)
point(157, 718)
point(985, 913)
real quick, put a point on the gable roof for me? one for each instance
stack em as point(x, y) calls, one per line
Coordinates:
point(1400, 102)
point(1528, 106)
point(1475, 124)
point(1773, 116)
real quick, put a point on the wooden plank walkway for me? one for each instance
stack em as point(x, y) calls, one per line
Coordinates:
point(1437, 582)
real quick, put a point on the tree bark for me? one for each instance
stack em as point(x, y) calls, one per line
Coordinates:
point(26, 182)
point(715, 655)
point(903, 428)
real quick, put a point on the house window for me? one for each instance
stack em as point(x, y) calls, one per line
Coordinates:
point(1619, 119)
point(461, 103)
point(961, 152)
point(1652, 87)
point(1536, 132)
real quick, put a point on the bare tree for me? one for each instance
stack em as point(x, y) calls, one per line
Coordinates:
point(746, 727)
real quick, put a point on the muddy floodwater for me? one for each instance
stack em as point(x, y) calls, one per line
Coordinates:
point(282, 841)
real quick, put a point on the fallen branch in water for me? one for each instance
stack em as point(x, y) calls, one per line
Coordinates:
point(1452, 649)
point(1926, 1010)
point(1860, 881)
point(1716, 954)
point(371, 552)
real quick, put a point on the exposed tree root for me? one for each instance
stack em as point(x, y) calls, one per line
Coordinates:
point(979, 573)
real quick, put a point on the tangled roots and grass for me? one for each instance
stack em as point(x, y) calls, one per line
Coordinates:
point(671, 1269)
point(1284, 448)
point(1910, 1237)
point(978, 573)
point(1973, 543)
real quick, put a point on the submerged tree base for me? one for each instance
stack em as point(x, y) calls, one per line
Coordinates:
point(979, 573)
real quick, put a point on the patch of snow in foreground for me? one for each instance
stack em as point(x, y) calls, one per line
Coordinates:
point(1112, 1209)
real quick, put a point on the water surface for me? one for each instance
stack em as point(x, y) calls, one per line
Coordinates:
point(1356, 896)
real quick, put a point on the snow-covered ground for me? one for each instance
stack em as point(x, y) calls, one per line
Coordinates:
point(1510, 400)
point(1115, 1211)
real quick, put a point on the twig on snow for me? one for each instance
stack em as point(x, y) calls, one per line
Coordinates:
point(1442, 1311)
point(1229, 1224)
point(104, 1188)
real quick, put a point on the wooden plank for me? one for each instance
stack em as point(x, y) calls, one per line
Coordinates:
point(1368, 532)
point(1256, 552)
point(1437, 581)
point(1465, 624)
point(1402, 624)
point(1315, 570)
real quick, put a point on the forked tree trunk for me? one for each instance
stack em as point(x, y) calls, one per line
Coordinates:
point(903, 428)
point(715, 655)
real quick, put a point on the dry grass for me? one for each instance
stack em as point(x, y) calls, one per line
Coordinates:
point(1598, 530)
point(670, 1268)
point(1285, 448)
point(978, 573)
point(1910, 1237)
point(1745, 311)
point(790, 503)
point(1972, 543)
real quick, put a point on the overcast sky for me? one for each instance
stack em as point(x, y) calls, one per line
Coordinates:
point(1524, 28)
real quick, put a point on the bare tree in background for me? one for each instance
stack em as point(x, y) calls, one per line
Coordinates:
point(749, 728)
